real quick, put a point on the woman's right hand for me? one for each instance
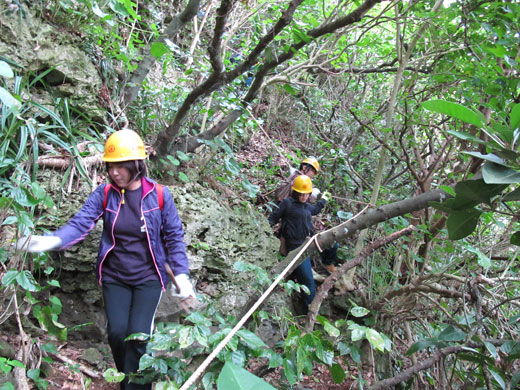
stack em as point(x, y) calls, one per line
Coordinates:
point(34, 244)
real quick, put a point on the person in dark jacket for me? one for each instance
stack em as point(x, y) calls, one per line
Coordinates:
point(310, 166)
point(142, 240)
point(296, 216)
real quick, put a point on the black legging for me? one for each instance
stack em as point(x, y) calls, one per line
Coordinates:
point(130, 309)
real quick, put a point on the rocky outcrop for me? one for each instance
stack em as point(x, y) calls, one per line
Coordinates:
point(34, 47)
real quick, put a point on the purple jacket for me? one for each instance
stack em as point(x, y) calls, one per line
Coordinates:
point(163, 228)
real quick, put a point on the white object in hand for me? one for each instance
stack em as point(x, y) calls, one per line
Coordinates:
point(292, 170)
point(38, 243)
point(185, 287)
point(315, 192)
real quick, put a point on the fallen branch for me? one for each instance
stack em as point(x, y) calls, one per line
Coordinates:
point(81, 367)
point(421, 366)
point(323, 290)
point(63, 162)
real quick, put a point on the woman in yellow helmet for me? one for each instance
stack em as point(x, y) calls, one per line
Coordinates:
point(296, 216)
point(142, 242)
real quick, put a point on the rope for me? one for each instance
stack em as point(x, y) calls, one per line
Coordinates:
point(200, 370)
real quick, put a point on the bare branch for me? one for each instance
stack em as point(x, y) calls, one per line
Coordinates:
point(179, 21)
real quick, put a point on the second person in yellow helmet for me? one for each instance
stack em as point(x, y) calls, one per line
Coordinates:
point(142, 241)
point(296, 214)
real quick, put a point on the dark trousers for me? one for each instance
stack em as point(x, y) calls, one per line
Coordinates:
point(130, 309)
point(303, 273)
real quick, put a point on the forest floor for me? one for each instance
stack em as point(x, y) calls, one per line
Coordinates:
point(78, 374)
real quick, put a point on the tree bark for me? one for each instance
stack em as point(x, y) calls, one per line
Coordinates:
point(421, 366)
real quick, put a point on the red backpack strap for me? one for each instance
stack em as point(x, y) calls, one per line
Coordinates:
point(107, 188)
point(160, 195)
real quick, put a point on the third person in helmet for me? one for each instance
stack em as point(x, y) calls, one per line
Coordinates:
point(308, 167)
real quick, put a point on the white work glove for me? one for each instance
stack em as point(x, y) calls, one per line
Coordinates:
point(326, 195)
point(315, 192)
point(38, 243)
point(185, 286)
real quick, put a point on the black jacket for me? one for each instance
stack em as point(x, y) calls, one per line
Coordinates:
point(296, 220)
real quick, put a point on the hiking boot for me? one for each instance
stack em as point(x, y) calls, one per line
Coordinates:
point(330, 268)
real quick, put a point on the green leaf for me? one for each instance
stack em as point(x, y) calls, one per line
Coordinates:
point(488, 157)
point(454, 110)
point(491, 349)
point(470, 193)
point(420, 345)
point(53, 283)
point(375, 339)
point(337, 373)
point(462, 223)
point(290, 89)
point(5, 70)
point(183, 156)
point(344, 214)
point(7, 99)
point(251, 339)
point(358, 332)
point(514, 117)
point(97, 11)
point(359, 311)
point(7, 386)
point(515, 239)
point(10, 220)
point(139, 336)
point(164, 385)
point(498, 378)
point(158, 49)
point(450, 333)
point(275, 360)
point(111, 375)
point(513, 195)
point(466, 137)
point(26, 280)
point(186, 337)
point(183, 177)
point(236, 378)
point(449, 190)
point(301, 357)
point(328, 327)
point(498, 174)
point(515, 379)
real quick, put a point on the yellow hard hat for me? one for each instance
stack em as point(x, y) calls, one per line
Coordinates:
point(124, 145)
point(313, 162)
point(302, 184)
